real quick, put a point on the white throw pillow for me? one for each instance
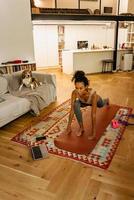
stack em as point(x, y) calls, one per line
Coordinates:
point(3, 85)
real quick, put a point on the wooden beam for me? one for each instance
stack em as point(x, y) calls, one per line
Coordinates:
point(47, 16)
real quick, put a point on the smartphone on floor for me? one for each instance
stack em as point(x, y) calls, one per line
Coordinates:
point(39, 151)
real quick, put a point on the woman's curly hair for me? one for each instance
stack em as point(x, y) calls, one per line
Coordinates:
point(79, 76)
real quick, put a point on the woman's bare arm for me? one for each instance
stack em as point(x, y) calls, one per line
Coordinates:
point(93, 114)
point(71, 115)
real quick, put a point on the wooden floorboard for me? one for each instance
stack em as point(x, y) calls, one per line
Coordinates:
point(56, 178)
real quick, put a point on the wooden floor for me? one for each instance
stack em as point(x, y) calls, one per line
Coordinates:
point(56, 178)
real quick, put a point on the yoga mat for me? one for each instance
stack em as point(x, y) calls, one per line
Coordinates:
point(81, 144)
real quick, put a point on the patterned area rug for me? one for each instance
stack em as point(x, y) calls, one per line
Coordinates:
point(55, 124)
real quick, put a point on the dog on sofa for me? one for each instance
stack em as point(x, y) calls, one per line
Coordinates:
point(28, 80)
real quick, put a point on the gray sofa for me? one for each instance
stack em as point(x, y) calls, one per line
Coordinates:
point(14, 103)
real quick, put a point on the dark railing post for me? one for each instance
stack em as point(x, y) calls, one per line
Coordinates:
point(55, 3)
point(78, 4)
point(31, 6)
point(118, 9)
point(100, 7)
point(115, 45)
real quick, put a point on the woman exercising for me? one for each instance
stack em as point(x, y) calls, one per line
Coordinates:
point(83, 96)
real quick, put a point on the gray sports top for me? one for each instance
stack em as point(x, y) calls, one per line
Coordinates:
point(89, 98)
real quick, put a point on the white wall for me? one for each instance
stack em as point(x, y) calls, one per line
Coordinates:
point(123, 6)
point(46, 45)
point(109, 3)
point(95, 5)
point(45, 3)
point(16, 39)
point(46, 38)
point(67, 3)
point(60, 3)
point(95, 34)
point(131, 6)
point(89, 4)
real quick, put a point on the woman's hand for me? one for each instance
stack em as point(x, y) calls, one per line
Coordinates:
point(93, 116)
point(68, 130)
point(91, 137)
point(73, 97)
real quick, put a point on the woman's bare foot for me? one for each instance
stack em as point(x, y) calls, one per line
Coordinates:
point(80, 133)
point(107, 102)
point(91, 137)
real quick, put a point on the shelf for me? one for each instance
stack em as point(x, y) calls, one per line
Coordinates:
point(130, 35)
point(61, 42)
point(11, 68)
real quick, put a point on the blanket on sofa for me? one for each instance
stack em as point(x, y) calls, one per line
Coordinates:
point(39, 98)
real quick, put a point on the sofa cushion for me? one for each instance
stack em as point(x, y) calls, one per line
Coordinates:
point(12, 108)
point(3, 85)
point(14, 80)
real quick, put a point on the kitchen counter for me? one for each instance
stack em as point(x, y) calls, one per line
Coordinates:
point(88, 60)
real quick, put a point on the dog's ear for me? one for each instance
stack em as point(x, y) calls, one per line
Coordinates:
point(30, 73)
point(23, 74)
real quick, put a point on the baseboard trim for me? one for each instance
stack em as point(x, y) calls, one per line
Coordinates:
point(52, 67)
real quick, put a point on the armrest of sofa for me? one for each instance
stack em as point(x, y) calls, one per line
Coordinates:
point(45, 78)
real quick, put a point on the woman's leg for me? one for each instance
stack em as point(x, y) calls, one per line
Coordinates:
point(78, 114)
point(102, 102)
point(106, 102)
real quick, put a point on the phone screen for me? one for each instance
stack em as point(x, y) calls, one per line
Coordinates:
point(36, 152)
